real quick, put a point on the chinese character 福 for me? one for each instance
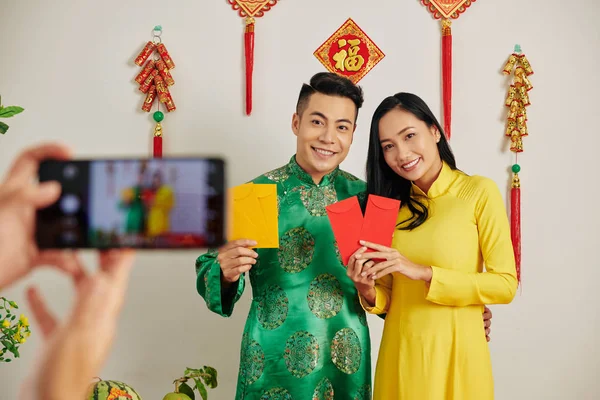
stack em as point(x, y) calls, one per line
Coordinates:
point(348, 60)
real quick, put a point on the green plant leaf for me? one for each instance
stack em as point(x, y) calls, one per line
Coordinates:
point(3, 128)
point(187, 390)
point(201, 388)
point(212, 381)
point(15, 352)
point(191, 371)
point(10, 111)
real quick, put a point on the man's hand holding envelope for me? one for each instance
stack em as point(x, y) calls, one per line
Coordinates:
point(252, 223)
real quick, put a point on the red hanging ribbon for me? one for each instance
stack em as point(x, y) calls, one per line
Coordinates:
point(157, 146)
point(158, 140)
point(446, 10)
point(249, 47)
point(515, 222)
point(447, 74)
point(250, 9)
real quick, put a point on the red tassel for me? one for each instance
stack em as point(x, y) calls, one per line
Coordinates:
point(249, 47)
point(157, 146)
point(447, 75)
point(515, 223)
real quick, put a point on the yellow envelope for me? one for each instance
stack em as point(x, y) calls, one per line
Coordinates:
point(267, 198)
point(253, 214)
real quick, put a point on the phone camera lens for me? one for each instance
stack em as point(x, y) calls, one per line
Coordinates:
point(70, 171)
point(70, 222)
point(69, 237)
point(69, 204)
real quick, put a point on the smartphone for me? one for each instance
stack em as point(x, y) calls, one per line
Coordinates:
point(166, 203)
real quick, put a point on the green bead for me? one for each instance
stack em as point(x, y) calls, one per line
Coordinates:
point(158, 116)
point(516, 168)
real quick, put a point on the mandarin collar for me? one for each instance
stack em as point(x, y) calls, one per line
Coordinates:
point(297, 171)
point(441, 185)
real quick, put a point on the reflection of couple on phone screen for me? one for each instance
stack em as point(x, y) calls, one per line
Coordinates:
point(147, 207)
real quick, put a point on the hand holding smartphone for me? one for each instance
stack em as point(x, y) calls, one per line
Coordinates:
point(166, 203)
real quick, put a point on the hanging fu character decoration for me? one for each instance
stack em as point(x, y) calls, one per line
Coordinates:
point(154, 81)
point(349, 52)
point(517, 99)
point(250, 9)
point(446, 10)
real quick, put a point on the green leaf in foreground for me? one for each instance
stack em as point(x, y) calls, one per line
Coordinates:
point(7, 112)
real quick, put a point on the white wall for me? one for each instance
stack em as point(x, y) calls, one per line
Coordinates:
point(69, 63)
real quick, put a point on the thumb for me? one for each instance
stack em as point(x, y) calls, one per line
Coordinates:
point(43, 317)
point(44, 194)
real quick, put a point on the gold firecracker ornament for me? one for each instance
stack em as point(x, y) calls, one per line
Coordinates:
point(517, 99)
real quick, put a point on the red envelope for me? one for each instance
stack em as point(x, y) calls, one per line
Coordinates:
point(380, 220)
point(346, 221)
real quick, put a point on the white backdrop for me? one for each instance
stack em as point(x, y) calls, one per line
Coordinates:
point(70, 65)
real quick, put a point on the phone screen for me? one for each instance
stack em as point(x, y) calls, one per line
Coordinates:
point(166, 203)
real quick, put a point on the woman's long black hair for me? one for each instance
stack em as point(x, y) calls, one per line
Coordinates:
point(381, 179)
